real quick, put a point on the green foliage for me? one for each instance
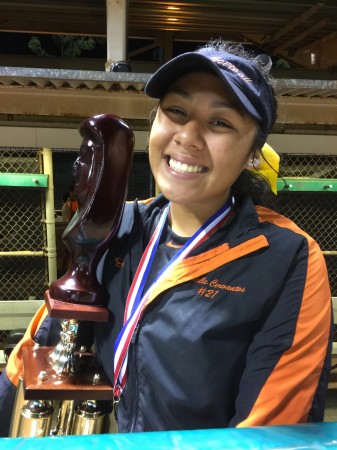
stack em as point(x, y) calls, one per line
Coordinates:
point(282, 64)
point(65, 45)
point(35, 46)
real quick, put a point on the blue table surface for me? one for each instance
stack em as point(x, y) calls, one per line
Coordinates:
point(307, 436)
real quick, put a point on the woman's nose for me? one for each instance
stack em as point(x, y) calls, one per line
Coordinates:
point(190, 136)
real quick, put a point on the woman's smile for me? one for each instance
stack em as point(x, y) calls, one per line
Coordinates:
point(182, 167)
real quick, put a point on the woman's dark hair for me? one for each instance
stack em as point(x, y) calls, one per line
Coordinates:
point(261, 61)
point(254, 185)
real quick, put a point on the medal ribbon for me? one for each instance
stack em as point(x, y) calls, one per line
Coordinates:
point(136, 301)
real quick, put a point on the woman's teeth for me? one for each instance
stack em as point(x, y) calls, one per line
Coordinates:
point(184, 168)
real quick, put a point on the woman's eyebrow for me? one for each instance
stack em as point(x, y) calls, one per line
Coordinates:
point(216, 104)
point(187, 95)
point(234, 106)
point(179, 91)
point(223, 104)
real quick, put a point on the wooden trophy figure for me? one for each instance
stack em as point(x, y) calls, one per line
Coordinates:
point(101, 180)
point(60, 387)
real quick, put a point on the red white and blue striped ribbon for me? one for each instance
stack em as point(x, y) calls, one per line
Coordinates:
point(136, 301)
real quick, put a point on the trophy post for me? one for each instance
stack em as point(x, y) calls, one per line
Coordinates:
point(65, 374)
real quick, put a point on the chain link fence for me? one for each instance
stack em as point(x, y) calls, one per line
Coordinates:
point(314, 212)
point(308, 165)
point(22, 213)
point(21, 230)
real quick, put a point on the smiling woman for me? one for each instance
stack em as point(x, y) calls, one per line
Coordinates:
point(220, 310)
point(200, 142)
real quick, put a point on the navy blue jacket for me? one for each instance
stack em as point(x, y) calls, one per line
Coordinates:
point(239, 333)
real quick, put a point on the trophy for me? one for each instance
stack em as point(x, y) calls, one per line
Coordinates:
point(60, 387)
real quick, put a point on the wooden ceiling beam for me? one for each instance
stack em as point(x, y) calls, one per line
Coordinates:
point(295, 22)
point(134, 105)
point(315, 44)
point(67, 102)
point(301, 36)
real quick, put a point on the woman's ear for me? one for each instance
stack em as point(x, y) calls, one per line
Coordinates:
point(253, 161)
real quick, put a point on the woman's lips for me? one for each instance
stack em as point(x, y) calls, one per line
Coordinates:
point(180, 167)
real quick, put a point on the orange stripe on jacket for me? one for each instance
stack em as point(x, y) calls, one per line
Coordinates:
point(296, 376)
point(14, 368)
point(196, 266)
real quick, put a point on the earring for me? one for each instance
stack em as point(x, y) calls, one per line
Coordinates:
point(253, 163)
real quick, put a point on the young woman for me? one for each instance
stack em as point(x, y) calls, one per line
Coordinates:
point(220, 309)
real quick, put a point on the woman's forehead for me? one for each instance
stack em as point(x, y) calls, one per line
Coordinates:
point(208, 82)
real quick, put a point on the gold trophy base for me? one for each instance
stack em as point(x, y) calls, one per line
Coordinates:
point(65, 310)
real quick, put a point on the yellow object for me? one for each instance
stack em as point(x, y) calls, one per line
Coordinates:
point(268, 165)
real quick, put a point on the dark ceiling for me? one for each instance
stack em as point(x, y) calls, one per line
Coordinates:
point(302, 32)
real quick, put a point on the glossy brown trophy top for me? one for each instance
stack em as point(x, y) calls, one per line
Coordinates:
point(101, 179)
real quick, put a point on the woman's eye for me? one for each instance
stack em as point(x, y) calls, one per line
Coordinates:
point(175, 114)
point(221, 124)
point(173, 110)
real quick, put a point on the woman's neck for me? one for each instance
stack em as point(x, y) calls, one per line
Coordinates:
point(185, 220)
